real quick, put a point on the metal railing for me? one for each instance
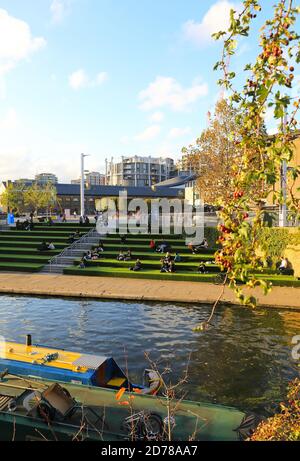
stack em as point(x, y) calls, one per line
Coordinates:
point(69, 251)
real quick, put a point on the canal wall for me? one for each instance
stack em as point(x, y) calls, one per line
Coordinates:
point(139, 290)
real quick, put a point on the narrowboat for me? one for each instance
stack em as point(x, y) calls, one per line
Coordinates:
point(32, 410)
point(52, 364)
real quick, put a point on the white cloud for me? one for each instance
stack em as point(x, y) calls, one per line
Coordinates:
point(179, 132)
point(101, 78)
point(16, 42)
point(167, 92)
point(9, 121)
point(149, 133)
point(216, 19)
point(80, 79)
point(157, 117)
point(59, 9)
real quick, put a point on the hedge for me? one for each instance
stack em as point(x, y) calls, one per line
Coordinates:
point(274, 240)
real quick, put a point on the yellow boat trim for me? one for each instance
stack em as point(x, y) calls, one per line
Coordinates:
point(116, 382)
point(36, 355)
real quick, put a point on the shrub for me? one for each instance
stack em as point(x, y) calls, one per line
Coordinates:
point(284, 426)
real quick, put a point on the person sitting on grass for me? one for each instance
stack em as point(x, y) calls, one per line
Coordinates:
point(202, 268)
point(26, 225)
point(51, 246)
point(198, 248)
point(163, 247)
point(43, 246)
point(285, 267)
point(171, 267)
point(152, 245)
point(177, 258)
point(88, 256)
point(168, 257)
point(128, 256)
point(137, 267)
point(164, 265)
point(121, 256)
point(73, 237)
point(82, 264)
point(101, 246)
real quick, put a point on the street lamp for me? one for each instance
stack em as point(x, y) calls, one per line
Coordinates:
point(82, 208)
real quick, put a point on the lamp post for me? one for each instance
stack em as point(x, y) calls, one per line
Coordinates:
point(82, 207)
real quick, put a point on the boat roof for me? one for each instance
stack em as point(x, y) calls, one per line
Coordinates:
point(38, 355)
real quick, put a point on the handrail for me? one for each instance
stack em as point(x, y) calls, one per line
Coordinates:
point(68, 250)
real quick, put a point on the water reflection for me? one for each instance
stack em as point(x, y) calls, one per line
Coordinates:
point(243, 360)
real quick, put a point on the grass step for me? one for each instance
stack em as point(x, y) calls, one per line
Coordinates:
point(144, 274)
point(60, 227)
point(146, 249)
point(187, 266)
point(33, 238)
point(27, 251)
point(158, 256)
point(281, 280)
point(25, 258)
point(144, 241)
point(21, 267)
point(278, 280)
point(37, 233)
point(23, 244)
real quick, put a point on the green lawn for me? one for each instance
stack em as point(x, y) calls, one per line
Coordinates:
point(20, 267)
point(185, 266)
point(144, 274)
point(18, 249)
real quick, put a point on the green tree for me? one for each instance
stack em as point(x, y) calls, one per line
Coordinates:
point(216, 156)
point(268, 84)
point(40, 197)
point(13, 197)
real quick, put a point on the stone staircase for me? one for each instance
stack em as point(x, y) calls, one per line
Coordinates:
point(68, 255)
point(4, 226)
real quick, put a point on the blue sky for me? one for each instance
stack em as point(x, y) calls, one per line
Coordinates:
point(106, 77)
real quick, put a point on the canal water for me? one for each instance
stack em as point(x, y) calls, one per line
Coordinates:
point(244, 360)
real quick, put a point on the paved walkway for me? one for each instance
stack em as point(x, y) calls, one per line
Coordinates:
point(135, 289)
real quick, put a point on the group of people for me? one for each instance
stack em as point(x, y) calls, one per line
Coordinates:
point(124, 256)
point(168, 263)
point(198, 248)
point(162, 247)
point(25, 225)
point(84, 221)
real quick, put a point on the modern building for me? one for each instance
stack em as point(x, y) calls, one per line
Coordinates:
point(45, 178)
point(185, 164)
point(138, 171)
point(93, 178)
